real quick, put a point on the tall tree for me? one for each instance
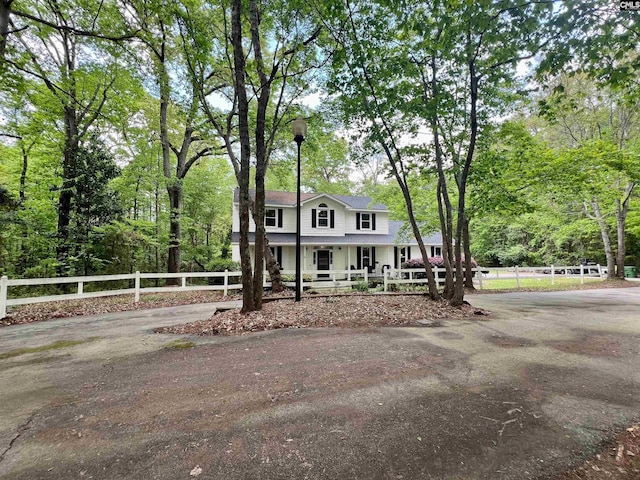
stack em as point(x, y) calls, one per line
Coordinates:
point(159, 30)
point(249, 97)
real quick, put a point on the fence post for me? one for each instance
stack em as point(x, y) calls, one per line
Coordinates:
point(436, 277)
point(479, 273)
point(366, 274)
point(137, 287)
point(581, 274)
point(517, 277)
point(553, 275)
point(600, 271)
point(226, 282)
point(4, 284)
point(80, 288)
point(184, 281)
point(384, 279)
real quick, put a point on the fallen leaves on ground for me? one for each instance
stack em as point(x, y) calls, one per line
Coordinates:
point(617, 461)
point(334, 311)
point(91, 306)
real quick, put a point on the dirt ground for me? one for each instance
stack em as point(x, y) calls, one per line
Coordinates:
point(545, 382)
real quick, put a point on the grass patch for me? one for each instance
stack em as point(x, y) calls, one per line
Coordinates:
point(43, 348)
point(537, 282)
point(180, 344)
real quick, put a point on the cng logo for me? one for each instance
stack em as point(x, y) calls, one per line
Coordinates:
point(633, 6)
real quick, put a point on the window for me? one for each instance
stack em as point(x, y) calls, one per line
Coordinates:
point(436, 251)
point(270, 217)
point(323, 215)
point(273, 217)
point(365, 257)
point(365, 221)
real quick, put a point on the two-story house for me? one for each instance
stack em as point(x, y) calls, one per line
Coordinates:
point(337, 233)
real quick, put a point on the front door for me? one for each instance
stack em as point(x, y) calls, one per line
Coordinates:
point(323, 262)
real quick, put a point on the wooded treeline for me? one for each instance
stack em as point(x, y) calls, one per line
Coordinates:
point(511, 128)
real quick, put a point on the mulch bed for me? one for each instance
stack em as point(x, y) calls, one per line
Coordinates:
point(354, 311)
point(38, 312)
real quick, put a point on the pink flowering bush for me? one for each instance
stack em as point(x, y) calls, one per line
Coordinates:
point(434, 261)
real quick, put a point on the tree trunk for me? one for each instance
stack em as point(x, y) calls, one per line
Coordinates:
point(273, 267)
point(468, 268)
point(620, 230)
point(622, 209)
point(66, 192)
point(458, 296)
point(5, 17)
point(445, 212)
point(24, 249)
point(175, 207)
point(606, 239)
point(446, 227)
point(245, 154)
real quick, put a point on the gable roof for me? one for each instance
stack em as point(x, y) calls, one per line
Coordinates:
point(288, 199)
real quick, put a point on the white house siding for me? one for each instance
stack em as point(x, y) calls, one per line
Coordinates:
point(382, 222)
point(339, 220)
point(288, 220)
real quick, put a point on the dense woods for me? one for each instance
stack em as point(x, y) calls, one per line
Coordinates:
point(125, 125)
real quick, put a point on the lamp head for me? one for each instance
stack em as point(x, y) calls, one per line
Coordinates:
point(299, 129)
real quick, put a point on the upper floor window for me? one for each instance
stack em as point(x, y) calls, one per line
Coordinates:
point(323, 215)
point(365, 221)
point(273, 217)
point(270, 217)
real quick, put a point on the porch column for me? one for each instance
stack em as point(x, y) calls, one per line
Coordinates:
point(349, 262)
point(304, 259)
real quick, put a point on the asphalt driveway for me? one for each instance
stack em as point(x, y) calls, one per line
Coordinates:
point(521, 394)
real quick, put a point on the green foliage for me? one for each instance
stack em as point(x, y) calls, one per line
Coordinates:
point(361, 286)
point(222, 264)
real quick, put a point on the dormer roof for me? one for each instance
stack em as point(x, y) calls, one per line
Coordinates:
point(288, 199)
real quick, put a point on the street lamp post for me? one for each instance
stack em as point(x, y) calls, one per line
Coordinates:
point(299, 132)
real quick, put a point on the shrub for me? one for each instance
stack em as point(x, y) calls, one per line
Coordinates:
point(361, 286)
point(292, 278)
point(222, 264)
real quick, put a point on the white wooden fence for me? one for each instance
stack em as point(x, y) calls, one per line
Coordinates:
point(399, 276)
point(324, 279)
point(336, 278)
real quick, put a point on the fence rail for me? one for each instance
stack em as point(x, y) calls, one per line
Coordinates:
point(324, 278)
point(338, 278)
point(484, 276)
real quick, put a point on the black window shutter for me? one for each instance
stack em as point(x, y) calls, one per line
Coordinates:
point(332, 220)
point(373, 221)
point(279, 219)
point(279, 255)
point(313, 218)
point(359, 255)
point(373, 257)
point(395, 257)
point(409, 254)
point(357, 221)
